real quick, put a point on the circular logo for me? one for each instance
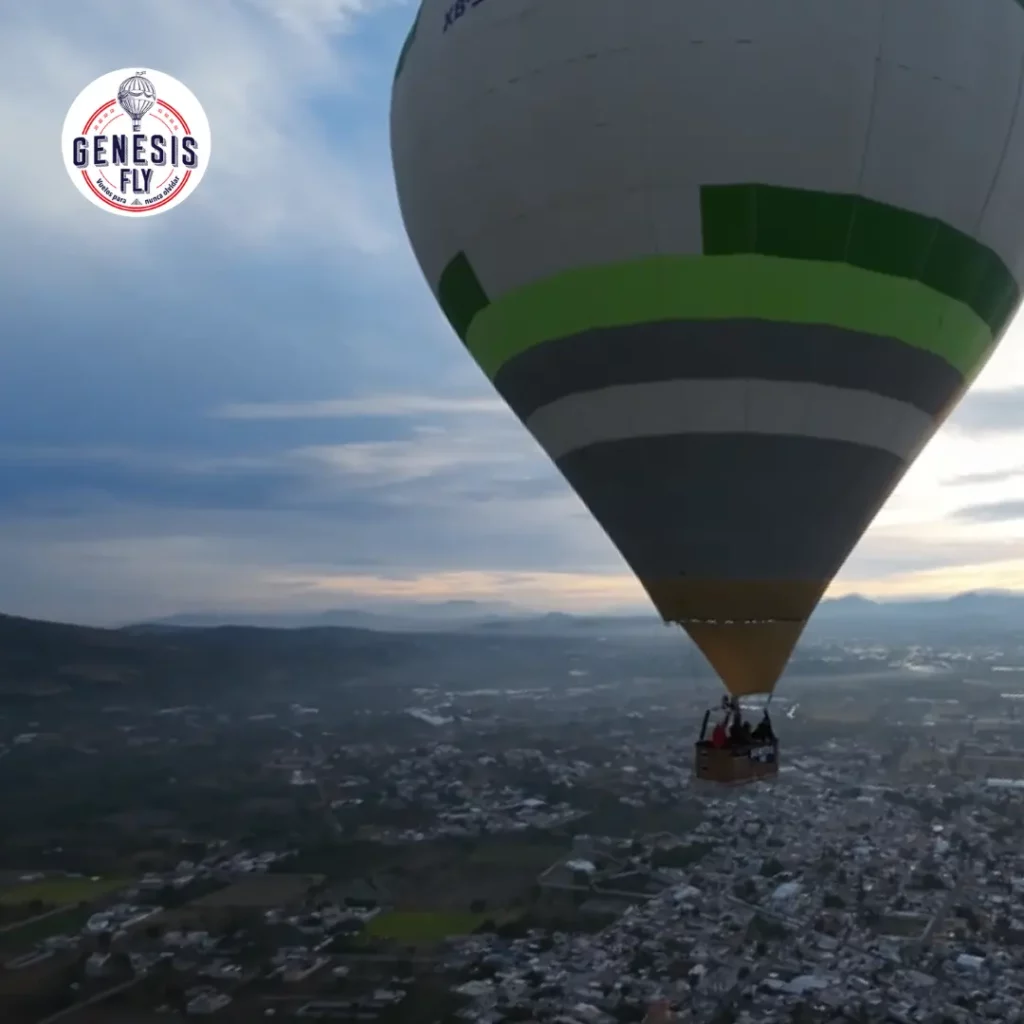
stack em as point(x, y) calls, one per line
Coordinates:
point(135, 142)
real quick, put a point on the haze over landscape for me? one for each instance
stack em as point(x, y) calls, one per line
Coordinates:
point(263, 410)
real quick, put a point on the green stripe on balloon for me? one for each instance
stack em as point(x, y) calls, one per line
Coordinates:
point(744, 287)
point(407, 45)
point(776, 254)
point(806, 225)
point(460, 294)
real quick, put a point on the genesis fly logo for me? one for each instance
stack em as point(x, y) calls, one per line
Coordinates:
point(136, 143)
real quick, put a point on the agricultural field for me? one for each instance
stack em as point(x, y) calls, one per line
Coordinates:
point(533, 857)
point(21, 938)
point(60, 891)
point(904, 926)
point(847, 713)
point(426, 927)
point(450, 877)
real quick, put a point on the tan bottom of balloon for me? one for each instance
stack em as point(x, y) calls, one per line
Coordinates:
point(747, 629)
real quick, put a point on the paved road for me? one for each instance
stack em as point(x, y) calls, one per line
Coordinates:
point(13, 927)
point(98, 998)
point(963, 874)
point(384, 958)
point(728, 1000)
point(940, 915)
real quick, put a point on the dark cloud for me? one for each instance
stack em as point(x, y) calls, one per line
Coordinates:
point(544, 485)
point(991, 412)
point(992, 512)
point(153, 371)
point(994, 476)
point(398, 476)
point(885, 553)
point(58, 486)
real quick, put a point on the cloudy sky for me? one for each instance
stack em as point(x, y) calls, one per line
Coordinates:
point(252, 403)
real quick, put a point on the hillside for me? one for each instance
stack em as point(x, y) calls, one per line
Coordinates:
point(38, 658)
point(179, 663)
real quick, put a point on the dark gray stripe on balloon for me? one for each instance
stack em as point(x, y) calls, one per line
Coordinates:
point(732, 506)
point(727, 349)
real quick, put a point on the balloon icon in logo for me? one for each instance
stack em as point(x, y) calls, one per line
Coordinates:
point(136, 96)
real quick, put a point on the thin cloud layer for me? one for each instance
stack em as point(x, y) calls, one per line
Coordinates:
point(992, 512)
point(276, 177)
point(370, 405)
point(992, 476)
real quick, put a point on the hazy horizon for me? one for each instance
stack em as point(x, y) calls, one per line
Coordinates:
point(455, 610)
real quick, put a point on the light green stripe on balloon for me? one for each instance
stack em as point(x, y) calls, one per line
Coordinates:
point(727, 288)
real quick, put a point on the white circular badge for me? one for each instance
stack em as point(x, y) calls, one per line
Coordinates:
point(136, 143)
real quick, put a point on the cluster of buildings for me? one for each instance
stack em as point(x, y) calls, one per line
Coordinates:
point(830, 892)
point(813, 896)
point(841, 891)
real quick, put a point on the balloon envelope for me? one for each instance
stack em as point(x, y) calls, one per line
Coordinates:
point(731, 262)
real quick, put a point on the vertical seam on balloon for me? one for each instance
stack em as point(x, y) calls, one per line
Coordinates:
point(969, 378)
point(972, 375)
point(943, 315)
point(748, 298)
point(975, 233)
point(868, 133)
point(1006, 144)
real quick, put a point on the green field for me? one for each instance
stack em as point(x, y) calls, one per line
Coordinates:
point(59, 892)
point(902, 925)
point(427, 926)
point(22, 938)
point(533, 856)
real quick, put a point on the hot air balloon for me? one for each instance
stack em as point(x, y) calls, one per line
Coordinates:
point(136, 95)
point(730, 262)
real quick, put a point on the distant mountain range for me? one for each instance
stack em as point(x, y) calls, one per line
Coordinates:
point(182, 656)
point(995, 606)
point(1003, 609)
point(400, 617)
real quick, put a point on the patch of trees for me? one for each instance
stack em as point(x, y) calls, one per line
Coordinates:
point(680, 856)
point(745, 890)
point(767, 928)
